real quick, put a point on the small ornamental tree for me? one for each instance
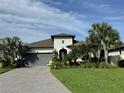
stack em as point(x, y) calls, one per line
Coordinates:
point(55, 63)
point(79, 51)
point(55, 56)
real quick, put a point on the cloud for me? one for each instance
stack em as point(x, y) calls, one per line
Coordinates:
point(104, 8)
point(114, 18)
point(51, 2)
point(31, 20)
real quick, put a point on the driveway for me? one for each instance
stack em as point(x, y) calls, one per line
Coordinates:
point(30, 80)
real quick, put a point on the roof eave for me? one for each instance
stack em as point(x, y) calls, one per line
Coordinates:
point(40, 47)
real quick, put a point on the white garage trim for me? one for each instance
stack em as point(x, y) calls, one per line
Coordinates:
point(41, 50)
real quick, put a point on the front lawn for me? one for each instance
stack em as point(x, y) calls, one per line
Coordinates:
point(3, 70)
point(86, 80)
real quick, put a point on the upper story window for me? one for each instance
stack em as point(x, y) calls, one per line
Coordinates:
point(62, 41)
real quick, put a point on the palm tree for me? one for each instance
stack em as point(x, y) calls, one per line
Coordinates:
point(105, 37)
point(13, 51)
point(93, 46)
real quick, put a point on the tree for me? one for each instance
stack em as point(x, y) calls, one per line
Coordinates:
point(13, 52)
point(82, 51)
point(105, 36)
point(55, 56)
point(94, 48)
point(73, 55)
point(79, 51)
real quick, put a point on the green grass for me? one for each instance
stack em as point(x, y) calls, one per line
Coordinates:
point(86, 80)
point(3, 70)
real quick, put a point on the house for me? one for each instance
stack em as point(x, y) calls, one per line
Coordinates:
point(116, 54)
point(41, 51)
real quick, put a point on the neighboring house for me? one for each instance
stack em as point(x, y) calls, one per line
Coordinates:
point(41, 51)
point(116, 54)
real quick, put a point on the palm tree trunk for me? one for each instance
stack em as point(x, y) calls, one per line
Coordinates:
point(98, 55)
point(105, 52)
point(89, 59)
point(106, 56)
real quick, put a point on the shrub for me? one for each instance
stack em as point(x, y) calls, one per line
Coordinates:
point(95, 65)
point(56, 64)
point(55, 56)
point(89, 65)
point(104, 65)
point(121, 63)
point(50, 63)
point(62, 64)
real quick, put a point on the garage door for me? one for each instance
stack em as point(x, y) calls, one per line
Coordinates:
point(38, 59)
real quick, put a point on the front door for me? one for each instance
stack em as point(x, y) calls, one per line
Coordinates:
point(62, 54)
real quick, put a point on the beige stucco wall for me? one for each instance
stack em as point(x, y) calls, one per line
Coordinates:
point(58, 45)
point(122, 55)
point(122, 52)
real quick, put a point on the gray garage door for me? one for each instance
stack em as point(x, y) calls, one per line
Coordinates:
point(37, 59)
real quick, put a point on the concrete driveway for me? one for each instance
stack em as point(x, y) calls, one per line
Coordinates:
point(30, 80)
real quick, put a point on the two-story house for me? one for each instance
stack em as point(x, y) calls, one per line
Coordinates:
point(41, 51)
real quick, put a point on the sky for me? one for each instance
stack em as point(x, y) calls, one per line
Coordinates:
point(34, 20)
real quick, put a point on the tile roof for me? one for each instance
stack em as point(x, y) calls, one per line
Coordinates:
point(48, 43)
point(63, 35)
point(121, 47)
point(76, 43)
